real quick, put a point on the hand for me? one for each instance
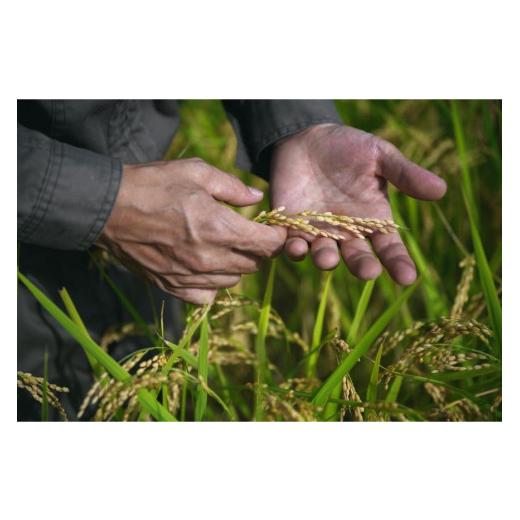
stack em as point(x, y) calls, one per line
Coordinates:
point(167, 226)
point(344, 170)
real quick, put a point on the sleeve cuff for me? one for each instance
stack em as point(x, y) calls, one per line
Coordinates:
point(260, 124)
point(75, 195)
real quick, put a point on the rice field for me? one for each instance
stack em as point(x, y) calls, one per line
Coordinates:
point(292, 343)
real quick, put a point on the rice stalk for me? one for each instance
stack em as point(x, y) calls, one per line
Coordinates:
point(486, 278)
point(322, 395)
point(262, 369)
point(318, 327)
point(40, 389)
point(202, 396)
point(462, 296)
point(105, 360)
point(431, 346)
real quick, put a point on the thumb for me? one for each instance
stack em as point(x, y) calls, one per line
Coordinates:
point(230, 189)
point(407, 176)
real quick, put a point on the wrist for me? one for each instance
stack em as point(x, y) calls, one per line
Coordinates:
point(310, 130)
point(105, 237)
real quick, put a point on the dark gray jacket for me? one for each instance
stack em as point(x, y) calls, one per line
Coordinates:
point(70, 156)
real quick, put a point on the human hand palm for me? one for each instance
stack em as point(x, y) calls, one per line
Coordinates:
point(345, 171)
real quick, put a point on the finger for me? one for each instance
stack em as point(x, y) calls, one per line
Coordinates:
point(407, 176)
point(325, 253)
point(207, 281)
point(296, 248)
point(187, 294)
point(240, 263)
point(251, 237)
point(230, 189)
point(360, 258)
point(394, 256)
point(196, 296)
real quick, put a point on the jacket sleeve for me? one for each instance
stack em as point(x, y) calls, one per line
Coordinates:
point(259, 124)
point(65, 193)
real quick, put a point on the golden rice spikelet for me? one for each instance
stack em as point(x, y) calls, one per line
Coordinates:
point(468, 271)
point(355, 226)
point(34, 385)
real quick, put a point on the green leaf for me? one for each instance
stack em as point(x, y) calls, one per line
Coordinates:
point(105, 360)
point(374, 377)
point(361, 310)
point(394, 389)
point(262, 368)
point(323, 393)
point(76, 318)
point(318, 326)
point(202, 396)
point(485, 274)
point(364, 299)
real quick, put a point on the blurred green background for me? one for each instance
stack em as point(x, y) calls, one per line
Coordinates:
point(437, 234)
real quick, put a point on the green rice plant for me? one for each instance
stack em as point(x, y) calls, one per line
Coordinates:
point(374, 377)
point(43, 392)
point(360, 311)
point(262, 374)
point(318, 326)
point(361, 308)
point(110, 364)
point(393, 391)
point(75, 317)
point(486, 278)
point(202, 396)
point(435, 301)
point(370, 414)
point(322, 395)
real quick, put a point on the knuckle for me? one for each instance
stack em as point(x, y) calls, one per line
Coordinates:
point(382, 148)
point(204, 262)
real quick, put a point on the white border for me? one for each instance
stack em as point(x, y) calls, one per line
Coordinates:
point(268, 50)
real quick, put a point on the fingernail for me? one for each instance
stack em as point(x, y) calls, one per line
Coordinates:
point(255, 192)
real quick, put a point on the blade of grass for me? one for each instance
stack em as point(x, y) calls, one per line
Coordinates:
point(361, 310)
point(318, 326)
point(364, 299)
point(486, 277)
point(323, 393)
point(181, 350)
point(374, 377)
point(435, 301)
point(146, 399)
point(76, 318)
point(202, 396)
point(262, 363)
point(372, 384)
point(228, 397)
point(393, 392)
point(460, 142)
